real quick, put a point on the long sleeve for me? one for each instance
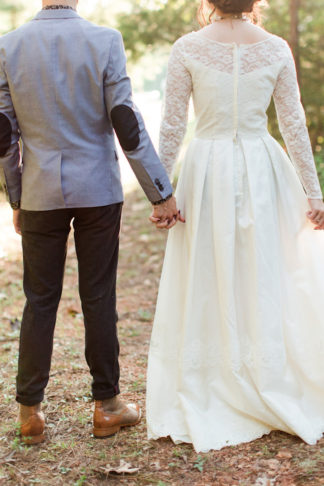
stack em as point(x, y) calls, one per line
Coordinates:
point(175, 116)
point(10, 170)
point(130, 129)
point(292, 124)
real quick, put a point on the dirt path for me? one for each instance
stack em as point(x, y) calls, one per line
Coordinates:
point(70, 455)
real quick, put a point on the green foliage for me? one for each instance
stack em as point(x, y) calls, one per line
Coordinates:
point(319, 158)
point(155, 23)
point(10, 10)
point(199, 464)
point(81, 481)
point(6, 6)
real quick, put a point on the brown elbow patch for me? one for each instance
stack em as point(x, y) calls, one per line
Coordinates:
point(126, 127)
point(5, 134)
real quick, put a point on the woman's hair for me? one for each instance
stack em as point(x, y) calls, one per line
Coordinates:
point(208, 8)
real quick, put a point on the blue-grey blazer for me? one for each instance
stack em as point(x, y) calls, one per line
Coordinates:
point(64, 91)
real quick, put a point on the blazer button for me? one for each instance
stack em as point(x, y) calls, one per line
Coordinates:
point(159, 185)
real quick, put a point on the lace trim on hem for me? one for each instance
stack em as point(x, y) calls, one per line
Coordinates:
point(162, 431)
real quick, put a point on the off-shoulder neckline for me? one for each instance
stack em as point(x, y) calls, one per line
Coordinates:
point(251, 44)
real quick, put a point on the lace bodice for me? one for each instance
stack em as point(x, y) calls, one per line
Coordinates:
point(231, 87)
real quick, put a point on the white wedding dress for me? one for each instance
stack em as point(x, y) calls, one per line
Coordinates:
point(238, 340)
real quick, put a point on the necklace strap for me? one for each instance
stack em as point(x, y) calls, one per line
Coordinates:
point(230, 17)
point(58, 7)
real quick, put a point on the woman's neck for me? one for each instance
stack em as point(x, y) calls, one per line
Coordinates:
point(228, 16)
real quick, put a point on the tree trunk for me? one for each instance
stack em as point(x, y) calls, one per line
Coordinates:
point(13, 17)
point(294, 33)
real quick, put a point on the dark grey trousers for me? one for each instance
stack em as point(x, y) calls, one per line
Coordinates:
point(44, 240)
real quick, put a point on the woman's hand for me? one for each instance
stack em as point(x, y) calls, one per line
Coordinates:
point(166, 215)
point(316, 214)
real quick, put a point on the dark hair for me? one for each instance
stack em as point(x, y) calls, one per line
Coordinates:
point(233, 6)
point(228, 7)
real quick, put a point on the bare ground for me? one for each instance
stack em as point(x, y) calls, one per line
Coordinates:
point(70, 455)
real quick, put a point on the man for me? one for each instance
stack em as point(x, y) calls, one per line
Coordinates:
point(64, 90)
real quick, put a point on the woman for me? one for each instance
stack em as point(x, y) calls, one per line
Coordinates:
point(238, 337)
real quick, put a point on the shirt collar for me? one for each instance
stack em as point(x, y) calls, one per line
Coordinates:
point(62, 13)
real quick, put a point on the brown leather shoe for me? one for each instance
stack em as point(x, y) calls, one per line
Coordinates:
point(112, 414)
point(32, 424)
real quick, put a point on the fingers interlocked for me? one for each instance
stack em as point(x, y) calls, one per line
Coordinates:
point(166, 215)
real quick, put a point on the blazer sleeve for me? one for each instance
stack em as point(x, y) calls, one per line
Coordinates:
point(129, 126)
point(10, 169)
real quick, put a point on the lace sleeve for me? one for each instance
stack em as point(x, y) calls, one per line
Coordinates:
point(175, 116)
point(292, 123)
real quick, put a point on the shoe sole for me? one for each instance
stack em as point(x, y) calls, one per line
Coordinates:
point(33, 440)
point(110, 431)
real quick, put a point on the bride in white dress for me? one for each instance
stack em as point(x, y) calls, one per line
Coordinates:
point(238, 340)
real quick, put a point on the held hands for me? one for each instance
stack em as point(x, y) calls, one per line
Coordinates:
point(16, 221)
point(316, 214)
point(166, 215)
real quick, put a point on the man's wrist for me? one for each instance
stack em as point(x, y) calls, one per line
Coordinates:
point(162, 201)
point(15, 205)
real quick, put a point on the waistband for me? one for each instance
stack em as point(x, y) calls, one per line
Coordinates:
point(230, 136)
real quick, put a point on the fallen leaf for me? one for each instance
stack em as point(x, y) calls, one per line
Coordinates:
point(269, 463)
point(8, 459)
point(184, 458)
point(264, 481)
point(273, 463)
point(123, 468)
point(287, 482)
point(156, 465)
point(73, 312)
point(284, 454)
point(15, 324)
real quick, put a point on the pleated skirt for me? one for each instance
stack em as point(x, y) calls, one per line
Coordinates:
point(238, 338)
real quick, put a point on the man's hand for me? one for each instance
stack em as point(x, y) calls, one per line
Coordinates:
point(16, 221)
point(166, 215)
point(316, 215)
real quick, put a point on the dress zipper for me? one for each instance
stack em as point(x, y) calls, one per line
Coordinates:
point(235, 99)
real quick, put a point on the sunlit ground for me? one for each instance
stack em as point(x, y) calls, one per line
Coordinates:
point(9, 240)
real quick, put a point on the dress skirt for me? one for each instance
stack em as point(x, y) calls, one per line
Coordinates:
point(238, 339)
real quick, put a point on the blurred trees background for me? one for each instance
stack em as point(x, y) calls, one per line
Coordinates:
point(150, 27)
point(11, 10)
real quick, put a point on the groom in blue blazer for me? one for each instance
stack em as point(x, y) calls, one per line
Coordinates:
point(64, 92)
